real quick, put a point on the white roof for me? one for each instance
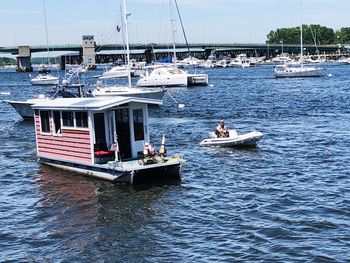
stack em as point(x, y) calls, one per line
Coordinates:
point(93, 104)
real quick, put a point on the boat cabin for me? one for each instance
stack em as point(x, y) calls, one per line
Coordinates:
point(91, 130)
point(107, 138)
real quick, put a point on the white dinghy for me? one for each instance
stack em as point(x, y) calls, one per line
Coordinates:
point(233, 140)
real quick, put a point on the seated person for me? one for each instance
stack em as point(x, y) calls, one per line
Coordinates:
point(222, 130)
point(148, 150)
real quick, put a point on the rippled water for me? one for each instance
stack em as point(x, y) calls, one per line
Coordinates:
point(287, 200)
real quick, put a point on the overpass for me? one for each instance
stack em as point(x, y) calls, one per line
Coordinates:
point(113, 52)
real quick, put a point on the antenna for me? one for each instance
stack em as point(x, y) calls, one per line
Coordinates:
point(126, 14)
point(46, 34)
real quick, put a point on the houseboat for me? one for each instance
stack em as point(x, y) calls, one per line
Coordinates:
point(107, 138)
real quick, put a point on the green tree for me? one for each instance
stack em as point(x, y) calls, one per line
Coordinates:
point(312, 35)
point(344, 35)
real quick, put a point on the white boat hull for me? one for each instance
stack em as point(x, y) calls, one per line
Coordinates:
point(174, 81)
point(43, 81)
point(248, 139)
point(24, 108)
point(299, 72)
point(156, 94)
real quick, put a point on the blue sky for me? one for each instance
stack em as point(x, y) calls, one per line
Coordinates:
point(242, 21)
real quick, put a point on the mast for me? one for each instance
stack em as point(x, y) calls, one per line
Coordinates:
point(173, 29)
point(126, 14)
point(46, 35)
point(301, 34)
point(183, 29)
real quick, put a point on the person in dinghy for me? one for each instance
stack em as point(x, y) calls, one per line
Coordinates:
point(221, 130)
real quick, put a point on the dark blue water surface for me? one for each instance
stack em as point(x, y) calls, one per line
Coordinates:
point(288, 200)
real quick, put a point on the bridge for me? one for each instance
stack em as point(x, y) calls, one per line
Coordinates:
point(94, 53)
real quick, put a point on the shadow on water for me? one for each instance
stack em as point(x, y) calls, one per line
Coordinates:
point(80, 213)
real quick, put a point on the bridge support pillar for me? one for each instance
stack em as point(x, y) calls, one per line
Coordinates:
point(89, 55)
point(23, 59)
point(149, 55)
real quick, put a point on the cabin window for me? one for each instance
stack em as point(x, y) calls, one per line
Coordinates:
point(138, 125)
point(45, 121)
point(81, 119)
point(57, 122)
point(68, 118)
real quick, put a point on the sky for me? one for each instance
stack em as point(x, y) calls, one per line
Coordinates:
point(205, 21)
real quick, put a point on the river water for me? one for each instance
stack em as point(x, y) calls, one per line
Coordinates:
point(287, 200)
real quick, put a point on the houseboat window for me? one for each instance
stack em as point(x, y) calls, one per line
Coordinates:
point(68, 118)
point(57, 122)
point(81, 119)
point(45, 121)
point(138, 125)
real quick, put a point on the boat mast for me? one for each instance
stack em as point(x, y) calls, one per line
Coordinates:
point(173, 28)
point(126, 14)
point(46, 34)
point(301, 34)
point(183, 29)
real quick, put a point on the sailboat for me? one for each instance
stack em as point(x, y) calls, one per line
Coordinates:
point(286, 71)
point(108, 90)
point(171, 75)
point(44, 77)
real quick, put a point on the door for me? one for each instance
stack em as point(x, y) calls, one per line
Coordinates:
point(123, 132)
point(100, 134)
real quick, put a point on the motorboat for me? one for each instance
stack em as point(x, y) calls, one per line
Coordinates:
point(240, 61)
point(24, 108)
point(44, 78)
point(163, 76)
point(233, 140)
point(282, 59)
point(115, 72)
point(102, 138)
point(287, 71)
point(103, 90)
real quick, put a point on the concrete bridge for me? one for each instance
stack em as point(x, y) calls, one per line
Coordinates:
point(92, 54)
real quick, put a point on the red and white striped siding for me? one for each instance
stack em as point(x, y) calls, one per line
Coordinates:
point(72, 145)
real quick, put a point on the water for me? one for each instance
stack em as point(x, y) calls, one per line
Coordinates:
point(287, 200)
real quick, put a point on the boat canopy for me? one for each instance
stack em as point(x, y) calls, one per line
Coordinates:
point(93, 104)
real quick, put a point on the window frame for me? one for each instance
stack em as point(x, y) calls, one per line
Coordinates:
point(54, 124)
point(138, 137)
point(41, 122)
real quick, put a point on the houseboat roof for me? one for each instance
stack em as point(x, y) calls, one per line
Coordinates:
point(91, 104)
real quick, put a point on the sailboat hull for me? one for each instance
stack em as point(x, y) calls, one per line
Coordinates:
point(300, 72)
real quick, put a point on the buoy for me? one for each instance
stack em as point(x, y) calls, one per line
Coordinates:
point(330, 75)
point(180, 105)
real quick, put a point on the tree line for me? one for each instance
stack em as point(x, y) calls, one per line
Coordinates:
point(312, 35)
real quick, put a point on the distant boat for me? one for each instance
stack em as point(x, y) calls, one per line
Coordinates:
point(286, 71)
point(44, 77)
point(163, 76)
point(240, 61)
point(103, 89)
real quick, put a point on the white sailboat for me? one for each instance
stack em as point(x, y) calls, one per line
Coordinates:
point(44, 77)
point(113, 90)
point(172, 76)
point(287, 71)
